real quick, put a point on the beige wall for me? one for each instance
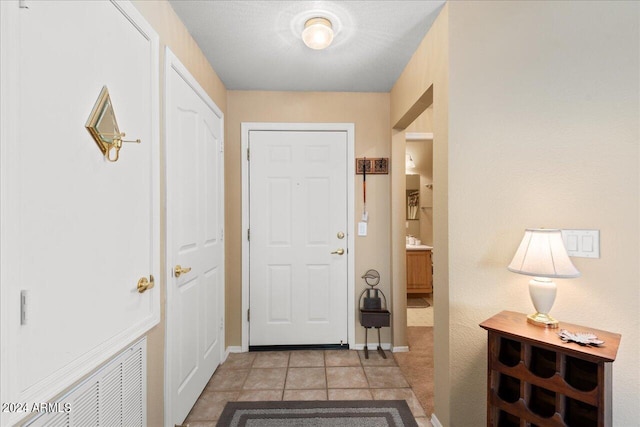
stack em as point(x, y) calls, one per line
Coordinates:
point(424, 82)
point(543, 132)
point(370, 113)
point(174, 35)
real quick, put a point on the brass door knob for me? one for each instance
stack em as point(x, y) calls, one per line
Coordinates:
point(179, 270)
point(144, 283)
point(338, 251)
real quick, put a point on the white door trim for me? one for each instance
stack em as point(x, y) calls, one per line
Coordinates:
point(346, 127)
point(173, 63)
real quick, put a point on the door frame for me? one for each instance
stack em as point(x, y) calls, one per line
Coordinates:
point(349, 128)
point(173, 63)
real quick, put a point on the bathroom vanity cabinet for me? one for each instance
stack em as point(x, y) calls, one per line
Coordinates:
point(419, 270)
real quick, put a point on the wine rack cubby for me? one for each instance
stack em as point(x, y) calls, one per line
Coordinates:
point(536, 380)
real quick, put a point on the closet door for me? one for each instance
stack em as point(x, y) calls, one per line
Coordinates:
point(78, 231)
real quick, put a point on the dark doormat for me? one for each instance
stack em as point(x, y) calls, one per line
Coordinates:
point(417, 302)
point(315, 413)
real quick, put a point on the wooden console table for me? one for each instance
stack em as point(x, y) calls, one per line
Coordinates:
point(535, 379)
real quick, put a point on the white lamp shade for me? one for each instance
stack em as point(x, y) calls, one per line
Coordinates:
point(542, 254)
point(317, 33)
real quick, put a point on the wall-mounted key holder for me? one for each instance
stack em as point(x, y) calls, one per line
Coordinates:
point(103, 127)
point(372, 166)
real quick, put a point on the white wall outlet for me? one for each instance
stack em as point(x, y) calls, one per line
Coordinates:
point(582, 243)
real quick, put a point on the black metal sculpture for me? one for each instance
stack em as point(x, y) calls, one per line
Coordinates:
point(373, 313)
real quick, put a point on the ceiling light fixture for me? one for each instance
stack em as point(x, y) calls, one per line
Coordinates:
point(317, 33)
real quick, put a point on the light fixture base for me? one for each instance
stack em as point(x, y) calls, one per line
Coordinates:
point(542, 320)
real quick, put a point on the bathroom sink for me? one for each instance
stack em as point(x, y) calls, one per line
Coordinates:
point(419, 248)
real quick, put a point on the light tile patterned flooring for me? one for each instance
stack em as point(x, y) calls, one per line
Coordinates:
point(420, 316)
point(303, 375)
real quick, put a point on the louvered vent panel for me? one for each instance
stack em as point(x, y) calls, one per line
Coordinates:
point(132, 390)
point(59, 420)
point(111, 391)
point(113, 396)
point(84, 408)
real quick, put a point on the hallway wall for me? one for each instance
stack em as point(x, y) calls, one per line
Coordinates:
point(543, 132)
point(424, 83)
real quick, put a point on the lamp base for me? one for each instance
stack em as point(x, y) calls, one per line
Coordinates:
point(542, 320)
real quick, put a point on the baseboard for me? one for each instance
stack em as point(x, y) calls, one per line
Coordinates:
point(232, 349)
point(400, 349)
point(435, 421)
point(373, 347)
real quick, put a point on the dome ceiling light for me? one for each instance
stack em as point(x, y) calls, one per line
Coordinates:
point(317, 33)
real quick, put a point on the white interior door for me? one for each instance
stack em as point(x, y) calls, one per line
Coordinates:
point(78, 232)
point(195, 295)
point(298, 237)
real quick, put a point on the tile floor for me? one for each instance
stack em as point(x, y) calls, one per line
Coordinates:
point(303, 375)
point(420, 316)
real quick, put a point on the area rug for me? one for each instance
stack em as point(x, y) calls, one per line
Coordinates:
point(331, 413)
point(417, 302)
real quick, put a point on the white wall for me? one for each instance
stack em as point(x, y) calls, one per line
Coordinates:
point(543, 132)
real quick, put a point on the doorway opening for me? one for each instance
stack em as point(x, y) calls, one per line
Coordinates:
point(419, 220)
point(418, 251)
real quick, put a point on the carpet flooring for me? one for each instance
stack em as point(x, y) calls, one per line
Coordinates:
point(337, 413)
point(417, 364)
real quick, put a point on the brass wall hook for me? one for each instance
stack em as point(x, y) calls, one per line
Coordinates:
point(103, 127)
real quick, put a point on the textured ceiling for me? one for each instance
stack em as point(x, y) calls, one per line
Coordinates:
point(256, 45)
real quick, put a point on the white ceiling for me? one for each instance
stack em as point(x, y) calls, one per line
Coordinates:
point(256, 45)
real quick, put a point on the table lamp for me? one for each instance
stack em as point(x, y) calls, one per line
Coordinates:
point(542, 254)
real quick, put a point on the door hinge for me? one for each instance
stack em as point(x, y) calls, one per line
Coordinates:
point(247, 154)
point(221, 146)
point(222, 234)
point(248, 234)
point(248, 314)
point(23, 4)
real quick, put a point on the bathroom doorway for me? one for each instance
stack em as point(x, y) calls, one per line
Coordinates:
point(419, 220)
point(419, 252)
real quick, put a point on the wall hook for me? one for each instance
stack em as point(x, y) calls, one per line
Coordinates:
point(103, 127)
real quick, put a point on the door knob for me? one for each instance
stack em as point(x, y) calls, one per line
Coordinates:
point(338, 251)
point(144, 283)
point(179, 270)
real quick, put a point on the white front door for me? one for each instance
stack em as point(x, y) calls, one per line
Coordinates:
point(195, 250)
point(298, 237)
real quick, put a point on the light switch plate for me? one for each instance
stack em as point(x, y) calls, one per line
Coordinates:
point(582, 243)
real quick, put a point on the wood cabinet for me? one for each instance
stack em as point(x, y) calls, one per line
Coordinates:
point(535, 379)
point(419, 272)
